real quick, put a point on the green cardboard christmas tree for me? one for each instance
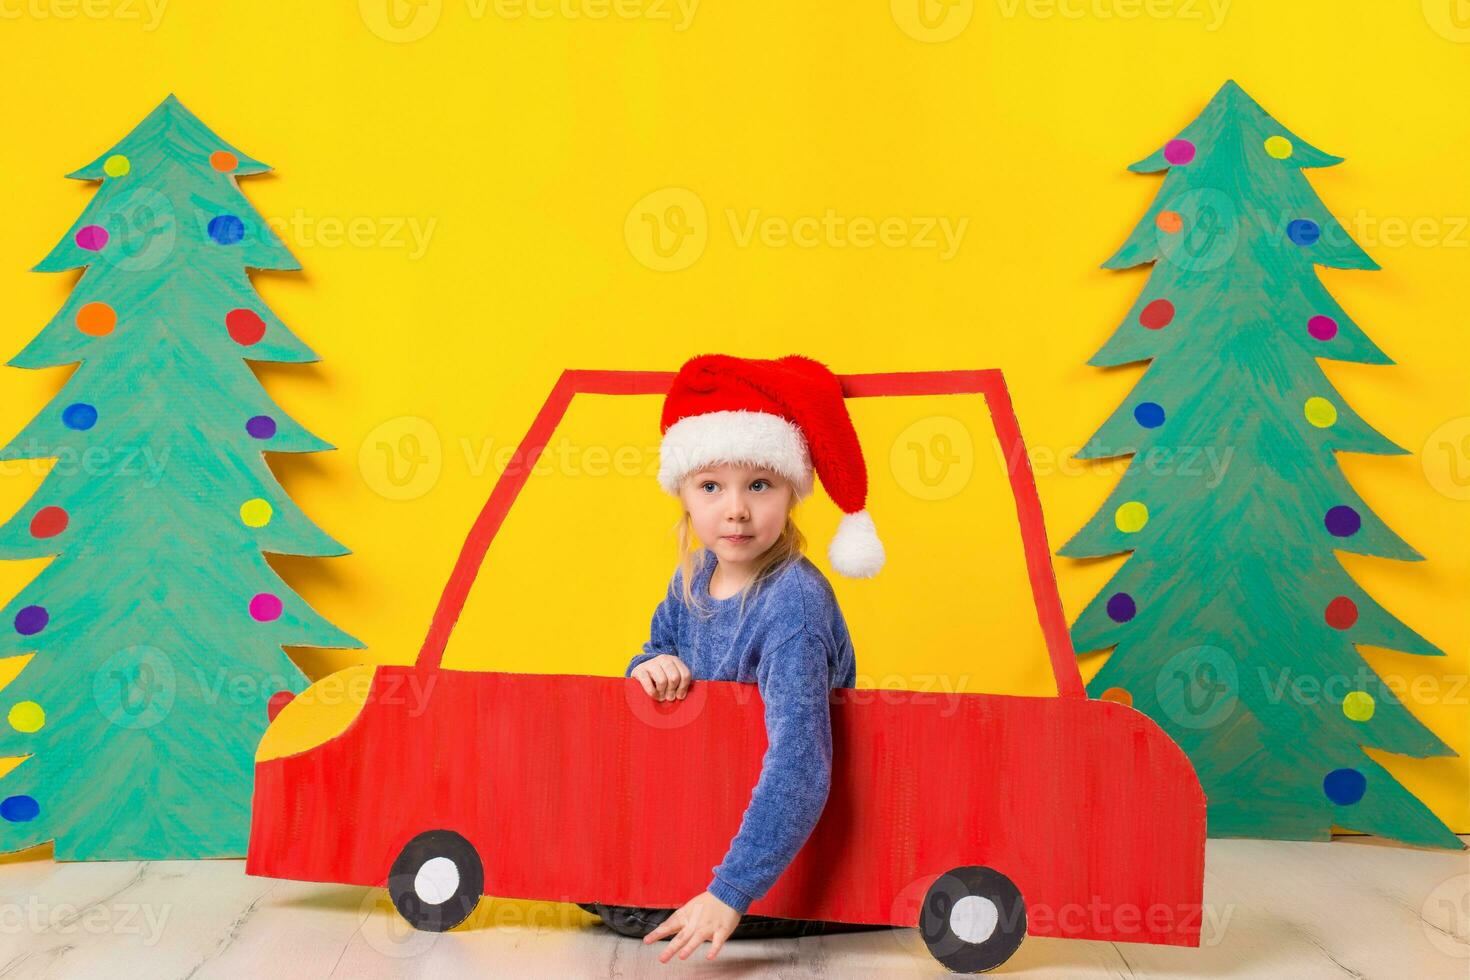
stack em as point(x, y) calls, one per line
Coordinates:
point(1235, 624)
point(153, 639)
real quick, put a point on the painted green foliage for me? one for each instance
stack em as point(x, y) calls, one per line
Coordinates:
point(1236, 626)
point(155, 634)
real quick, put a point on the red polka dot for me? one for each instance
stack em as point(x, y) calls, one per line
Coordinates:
point(277, 701)
point(48, 522)
point(1157, 314)
point(245, 326)
point(1342, 613)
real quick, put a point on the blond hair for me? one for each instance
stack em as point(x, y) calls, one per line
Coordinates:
point(787, 547)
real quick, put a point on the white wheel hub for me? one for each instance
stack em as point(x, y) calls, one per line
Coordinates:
point(437, 881)
point(974, 918)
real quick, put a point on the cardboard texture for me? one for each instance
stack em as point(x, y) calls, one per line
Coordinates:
point(1233, 504)
point(153, 639)
point(1063, 816)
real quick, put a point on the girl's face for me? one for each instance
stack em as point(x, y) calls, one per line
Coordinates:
point(737, 512)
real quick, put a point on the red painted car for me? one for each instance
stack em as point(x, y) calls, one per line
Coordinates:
point(977, 818)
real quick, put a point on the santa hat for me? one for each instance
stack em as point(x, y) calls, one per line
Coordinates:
point(786, 414)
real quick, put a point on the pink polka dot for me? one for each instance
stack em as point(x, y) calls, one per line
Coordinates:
point(1322, 327)
point(265, 607)
point(1179, 152)
point(92, 238)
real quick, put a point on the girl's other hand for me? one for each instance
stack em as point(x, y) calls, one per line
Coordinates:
point(664, 678)
point(702, 918)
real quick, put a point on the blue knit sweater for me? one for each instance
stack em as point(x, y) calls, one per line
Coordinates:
point(793, 643)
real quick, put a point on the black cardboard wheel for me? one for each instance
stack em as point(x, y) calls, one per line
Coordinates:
point(437, 881)
point(973, 919)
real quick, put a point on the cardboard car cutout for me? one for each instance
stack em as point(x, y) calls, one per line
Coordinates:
point(978, 818)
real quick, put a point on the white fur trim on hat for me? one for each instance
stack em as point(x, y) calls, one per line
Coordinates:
point(855, 550)
point(753, 438)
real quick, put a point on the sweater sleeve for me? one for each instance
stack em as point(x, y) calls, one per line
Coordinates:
point(663, 632)
point(796, 773)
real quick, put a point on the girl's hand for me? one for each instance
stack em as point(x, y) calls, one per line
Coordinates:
point(702, 917)
point(664, 677)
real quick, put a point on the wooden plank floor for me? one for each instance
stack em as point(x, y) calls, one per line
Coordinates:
point(1357, 907)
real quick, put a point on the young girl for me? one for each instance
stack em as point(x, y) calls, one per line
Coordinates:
point(741, 441)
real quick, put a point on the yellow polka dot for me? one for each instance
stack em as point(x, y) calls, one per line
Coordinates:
point(1278, 147)
point(1320, 412)
point(1131, 517)
point(116, 165)
point(27, 716)
point(1358, 706)
point(256, 512)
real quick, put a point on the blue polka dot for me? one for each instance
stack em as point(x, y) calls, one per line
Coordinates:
point(19, 809)
point(1303, 232)
point(1345, 786)
point(226, 229)
point(79, 416)
point(1150, 415)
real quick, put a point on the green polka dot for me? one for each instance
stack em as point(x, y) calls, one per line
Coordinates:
point(1131, 517)
point(1358, 706)
point(116, 165)
point(27, 716)
point(1320, 412)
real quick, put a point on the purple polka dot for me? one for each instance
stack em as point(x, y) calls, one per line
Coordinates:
point(31, 620)
point(1179, 152)
point(1121, 607)
point(261, 426)
point(92, 238)
point(1322, 327)
point(265, 607)
point(1342, 521)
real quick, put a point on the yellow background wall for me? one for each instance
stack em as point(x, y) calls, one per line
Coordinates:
point(472, 187)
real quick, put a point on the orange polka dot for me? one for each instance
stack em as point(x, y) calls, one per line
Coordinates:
point(223, 161)
point(96, 319)
point(1118, 694)
point(1169, 222)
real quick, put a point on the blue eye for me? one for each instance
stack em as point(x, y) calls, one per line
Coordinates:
point(759, 483)
point(707, 484)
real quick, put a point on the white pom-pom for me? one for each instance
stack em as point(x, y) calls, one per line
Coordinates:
point(855, 550)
